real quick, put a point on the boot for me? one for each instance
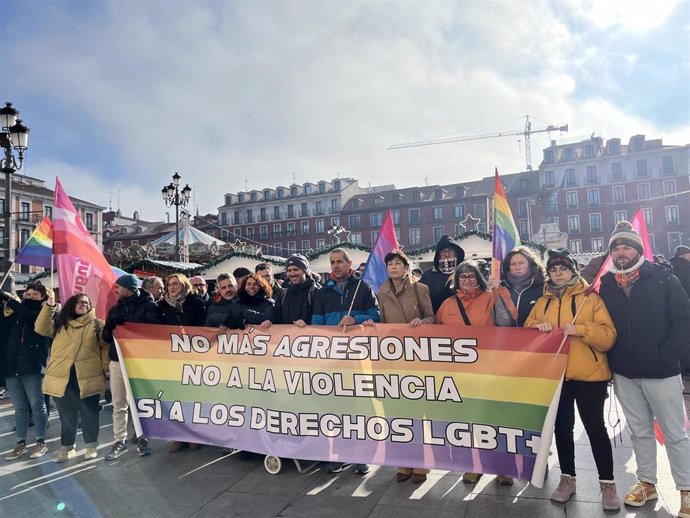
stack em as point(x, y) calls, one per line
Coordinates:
point(565, 489)
point(609, 497)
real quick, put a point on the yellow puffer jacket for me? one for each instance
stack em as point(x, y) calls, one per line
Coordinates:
point(594, 330)
point(79, 344)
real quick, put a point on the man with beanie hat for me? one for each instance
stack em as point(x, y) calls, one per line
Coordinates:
point(680, 262)
point(651, 312)
point(137, 306)
point(294, 303)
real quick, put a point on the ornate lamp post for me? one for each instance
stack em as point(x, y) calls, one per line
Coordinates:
point(172, 195)
point(14, 136)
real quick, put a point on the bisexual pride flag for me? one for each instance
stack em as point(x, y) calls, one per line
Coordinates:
point(39, 248)
point(505, 234)
point(375, 272)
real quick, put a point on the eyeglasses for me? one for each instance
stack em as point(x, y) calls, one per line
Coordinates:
point(468, 277)
point(85, 303)
point(558, 269)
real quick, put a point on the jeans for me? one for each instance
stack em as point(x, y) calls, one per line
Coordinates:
point(70, 406)
point(25, 391)
point(643, 399)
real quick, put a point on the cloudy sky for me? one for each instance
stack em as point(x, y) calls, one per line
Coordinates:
point(119, 94)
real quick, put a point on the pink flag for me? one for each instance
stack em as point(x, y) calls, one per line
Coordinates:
point(375, 272)
point(80, 263)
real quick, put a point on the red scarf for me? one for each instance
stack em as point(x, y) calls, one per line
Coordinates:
point(627, 279)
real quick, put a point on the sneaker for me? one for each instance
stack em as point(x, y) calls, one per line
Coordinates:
point(684, 504)
point(565, 489)
point(3, 393)
point(19, 450)
point(336, 467)
point(90, 453)
point(361, 469)
point(118, 449)
point(143, 448)
point(39, 450)
point(502, 480)
point(470, 478)
point(609, 497)
point(640, 494)
point(65, 455)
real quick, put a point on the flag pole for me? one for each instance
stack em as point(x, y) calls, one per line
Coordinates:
point(52, 273)
point(7, 273)
point(565, 337)
point(354, 297)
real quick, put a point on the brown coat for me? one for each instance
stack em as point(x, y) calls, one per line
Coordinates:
point(409, 302)
point(81, 345)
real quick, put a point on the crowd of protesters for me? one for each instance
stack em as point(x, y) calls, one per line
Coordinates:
point(633, 335)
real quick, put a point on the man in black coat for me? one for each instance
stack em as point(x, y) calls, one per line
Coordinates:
point(681, 269)
point(439, 277)
point(137, 306)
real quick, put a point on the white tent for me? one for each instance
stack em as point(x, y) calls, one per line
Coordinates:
point(189, 236)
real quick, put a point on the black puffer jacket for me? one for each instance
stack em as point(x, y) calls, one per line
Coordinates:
point(439, 283)
point(26, 352)
point(653, 324)
point(220, 310)
point(138, 309)
point(193, 312)
point(681, 269)
point(296, 302)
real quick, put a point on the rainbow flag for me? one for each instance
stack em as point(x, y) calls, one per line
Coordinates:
point(375, 272)
point(387, 395)
point(39, 248)
point(505, 233)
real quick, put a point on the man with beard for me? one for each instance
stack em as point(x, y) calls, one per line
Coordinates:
point(295, 303)
point(439, 277)
point(154, 285)
point(651, 313)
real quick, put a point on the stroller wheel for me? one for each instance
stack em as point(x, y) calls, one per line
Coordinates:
point(273, 464)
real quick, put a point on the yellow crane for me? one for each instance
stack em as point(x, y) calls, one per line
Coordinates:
point(526, 133)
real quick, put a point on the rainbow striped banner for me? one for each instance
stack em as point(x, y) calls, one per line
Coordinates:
point(478, 399)
point(505, 234)
point(39, 247)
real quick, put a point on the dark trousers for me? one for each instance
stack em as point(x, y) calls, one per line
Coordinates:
point(590, 397)
point(70, 407)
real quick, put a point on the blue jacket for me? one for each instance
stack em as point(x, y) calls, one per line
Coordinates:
point(653, 325)
point(331, 304)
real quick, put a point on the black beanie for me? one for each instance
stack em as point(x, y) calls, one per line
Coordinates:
point(241, 272)
point(561, 257)
point(299, 261)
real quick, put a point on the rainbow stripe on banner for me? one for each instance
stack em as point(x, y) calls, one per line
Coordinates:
point(39, 247)
point(463, 399)
point(505, 234)
point(375, 272)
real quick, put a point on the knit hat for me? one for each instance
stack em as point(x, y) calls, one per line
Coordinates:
point(128, 281)
point(299, 261)
point(561, 257)
point(241, 272)
point(625, 234)
point(681, 249)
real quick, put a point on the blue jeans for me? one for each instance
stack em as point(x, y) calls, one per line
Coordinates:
point(25, 391)
point(643, 399)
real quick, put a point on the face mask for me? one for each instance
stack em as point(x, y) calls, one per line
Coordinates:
point(447, 265)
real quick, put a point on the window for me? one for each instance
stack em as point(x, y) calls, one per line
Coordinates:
point(619, 215)
point(616, 171)
point(306, 245)
point(416, 196)
point(575, 246)
point(459, 211)
point(414, 236)
point(290, 230)
point(250, 232)
point(523, 207)
point(618, 193)
point(479, 211)
point(595, 222)
point(293, 193)
point(354, 221)
point(224, 235)
point(2, 238)
point(438, 232)
point(641, 168)
point(597, 244)
point(647, 217)
point(254, 197)
point(672, 215)
point(377, 202)
point(355, 203)
point(319, 208)
point(2, 205)
point(336, 186)
point(571, 199)
point(278, 247)
point(570, 177)
point(523, 225)
point(335, 222)
point(673, 240)
point(414, 217)
point(549, 179)
point(356, 237)
point(263, 232)
point(291, 211)
point(48, 211)
point(322, 187)
point(25, 211)
point(592, 174)
point(262, 214)
point(437, 214)
point(280, 194)
point(335, 206)
point(396, 217)
point(593, 197)
point(589, 150)
point(250, 216)
point(568, 153)
point(23, 237)
point(276, 212)
point(305, 228)
point(267, 195)
point(548, 155)
point(374, 236)
point(642, 191)
point(292, 247)
point(669, 187)
point(223, 217)
point(375, 220)
point(574, 224)
point(89, 221)
point(304, 210)
point(264, 250)
point(236, 219)
point(320, 243)
point(241, 198)
point(667, 166)
point(652, 242)
point(307, 189)
point(320, 228)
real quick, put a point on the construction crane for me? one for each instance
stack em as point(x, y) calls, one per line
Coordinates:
point(526, 132)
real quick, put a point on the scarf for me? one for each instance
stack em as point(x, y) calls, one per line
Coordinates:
point(627, 277)
point(519, 282)
point(467, 295)
point(176, 302)
point(558, 290)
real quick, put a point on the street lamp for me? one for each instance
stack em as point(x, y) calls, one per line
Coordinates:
point(14, 136)
point(172, 195)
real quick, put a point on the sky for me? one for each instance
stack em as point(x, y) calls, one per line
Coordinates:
point(120, 94)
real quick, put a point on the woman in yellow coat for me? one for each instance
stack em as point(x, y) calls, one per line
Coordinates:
point(587, 374)
point(75, 372)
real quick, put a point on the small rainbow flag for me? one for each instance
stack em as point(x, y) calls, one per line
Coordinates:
point(505, 234)
point(39, 247)
point(375, 272)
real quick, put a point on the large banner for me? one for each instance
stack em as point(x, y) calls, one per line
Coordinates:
point(478, 399)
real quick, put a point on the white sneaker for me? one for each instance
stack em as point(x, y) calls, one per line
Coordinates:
point(90, 453)
point(65, 455)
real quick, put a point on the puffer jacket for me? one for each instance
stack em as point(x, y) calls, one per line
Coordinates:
point(81, 345)
point(409, 302)
point(594, 330)
point(479, 309)
point(25, 351)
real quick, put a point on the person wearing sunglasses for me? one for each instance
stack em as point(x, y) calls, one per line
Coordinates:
point(75, 371)
point(584, 318)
